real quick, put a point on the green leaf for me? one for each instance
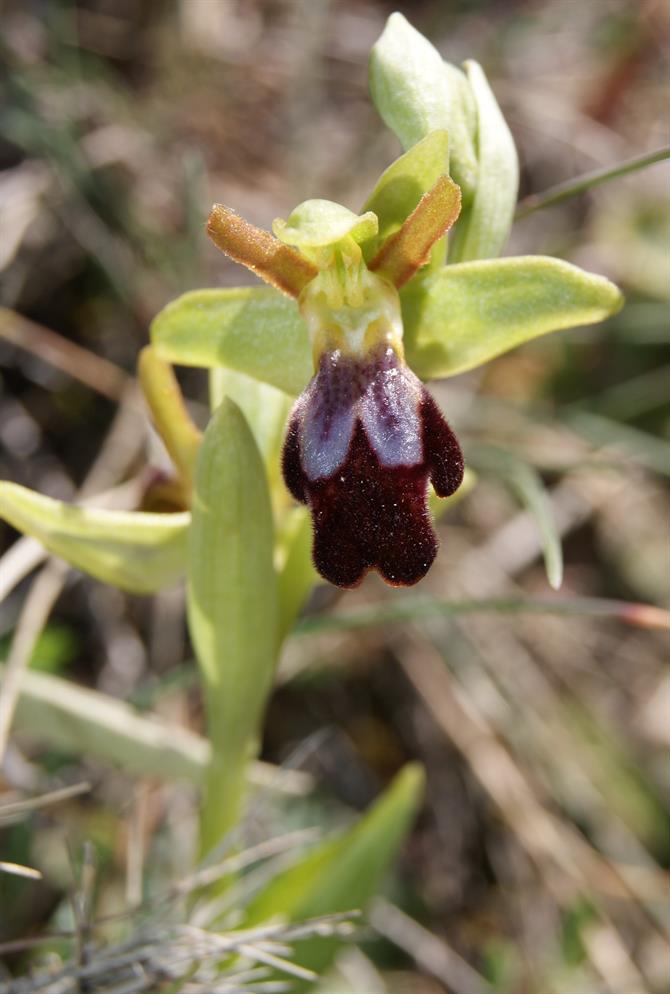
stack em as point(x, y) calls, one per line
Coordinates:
point(253, 330)
point(484, 227)
point(343, 874)
point(266, 410)
point(232, 606)
point(317, 223)
point(416, 93)
point(401, 186)
point(133, 550)
point(469, 313)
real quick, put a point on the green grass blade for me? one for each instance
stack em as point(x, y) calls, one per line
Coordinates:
point(343, 874)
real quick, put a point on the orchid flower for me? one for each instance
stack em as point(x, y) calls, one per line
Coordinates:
point(361, 309)
point(365, 436)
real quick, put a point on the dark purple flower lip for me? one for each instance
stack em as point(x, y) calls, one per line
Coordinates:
point(363, 441)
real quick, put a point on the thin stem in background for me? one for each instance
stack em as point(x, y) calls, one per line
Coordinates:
point(571, 187)
point(36, 610)
point(409, 609)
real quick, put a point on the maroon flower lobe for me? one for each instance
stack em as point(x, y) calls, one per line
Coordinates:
point(363, 441)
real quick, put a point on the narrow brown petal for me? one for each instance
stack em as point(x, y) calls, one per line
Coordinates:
point(279, 265)
point(409, 248)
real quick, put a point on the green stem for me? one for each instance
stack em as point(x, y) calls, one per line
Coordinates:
point(173, 422)
point(571, 187)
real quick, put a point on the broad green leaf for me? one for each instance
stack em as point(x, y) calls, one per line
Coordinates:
point(469, 313)
point(484, 227)
point(342, 874)
point(59, 714)
point(317, 223)
point(253, 330)
point(266, 409)
point(527, 483)
point(134, 550)
point(415, 93)
point(232, 606)
point(401, 186)
point(297, 575)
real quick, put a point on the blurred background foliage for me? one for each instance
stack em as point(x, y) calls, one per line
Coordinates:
point(540, 861)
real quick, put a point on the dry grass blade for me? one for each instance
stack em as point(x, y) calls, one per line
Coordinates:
point(95, 372)
point(430, 952)
point(36, 610)
point(18, 870)
point(188, 957)
point(17, 809)
point(19, 560)
point(564, 861)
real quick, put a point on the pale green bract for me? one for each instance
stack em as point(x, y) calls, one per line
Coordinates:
point(416, 93)
point(265, 408)
point(232, 606)
point(133, 550)
point(486, 221)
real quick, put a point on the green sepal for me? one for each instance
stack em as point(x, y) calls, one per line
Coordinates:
point(232, 607)
point(401, 186)
point(466, 314)
point(344, 873)
point(416, 93)
point(484, 226)
point(253, 330)
point(318, 223)
point(133, 550)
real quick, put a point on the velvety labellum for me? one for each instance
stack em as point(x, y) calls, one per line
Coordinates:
point(363, 441)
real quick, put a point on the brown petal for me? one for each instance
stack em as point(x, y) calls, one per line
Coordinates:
point(409, 248)
point(279, 265)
